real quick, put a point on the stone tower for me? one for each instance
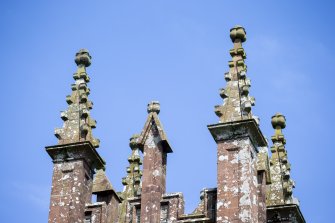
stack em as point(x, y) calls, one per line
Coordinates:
point(238, 139)
point(75, 156)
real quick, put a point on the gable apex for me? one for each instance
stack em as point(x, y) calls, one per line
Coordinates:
point(153, 124)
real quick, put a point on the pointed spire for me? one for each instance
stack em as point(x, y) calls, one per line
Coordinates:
point(133, 179)
point(280, 191)
point(78, 123)
point(132, 182)
point(236, 100)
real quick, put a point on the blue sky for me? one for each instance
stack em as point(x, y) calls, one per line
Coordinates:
point(175, 52)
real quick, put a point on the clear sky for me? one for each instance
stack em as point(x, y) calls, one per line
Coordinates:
point(177, 52)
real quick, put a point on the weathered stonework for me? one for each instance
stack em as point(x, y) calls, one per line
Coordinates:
point(236, 100)
point(280, 191)
point(106, 194)
point(72, 178)
point(237, 182)
point(78, 123)
point(264, 178)
point(155, 148)
point(240, 186)
point(96, 213)
point(132, 182)
point(75, 157)
point(281, 205)
point(251, 188)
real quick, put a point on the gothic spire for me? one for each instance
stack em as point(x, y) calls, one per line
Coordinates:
point(133, 179)
point(236, 100)
point(78, 123)
point(280, 191)
point(132, 182)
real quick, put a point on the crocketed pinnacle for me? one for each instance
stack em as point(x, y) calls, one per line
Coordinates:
point(236, 100)
point(78, 123)
point(280, 191)
point(133, 179)
point(132, 182)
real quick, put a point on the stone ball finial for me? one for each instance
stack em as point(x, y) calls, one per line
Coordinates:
point(154, 106)
point(238, 32)
point(278, 120)
point(134, 141)
point(83, 57)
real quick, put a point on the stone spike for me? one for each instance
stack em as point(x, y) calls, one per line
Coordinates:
point(280, 191)
point(132, 182)
point(78, 123)
point(236, 100)
point(134, 173)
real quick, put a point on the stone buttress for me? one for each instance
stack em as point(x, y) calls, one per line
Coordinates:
point(155, 146)
point(281, 205)
point(75, 157)
point(238, 138)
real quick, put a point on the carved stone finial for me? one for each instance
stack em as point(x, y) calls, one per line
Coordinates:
point(78, 123)
point(280, 191)
point(278, 121)
point(132, 181)
point(238, 32)
point(83, 57)
point(154, 106)
point(237, 102)
point(134, 141)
